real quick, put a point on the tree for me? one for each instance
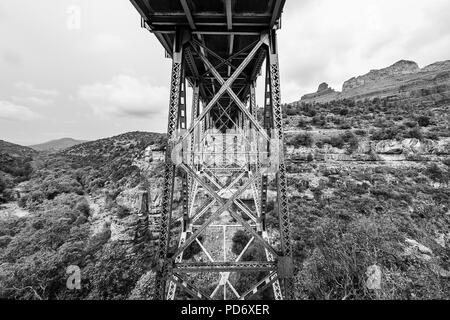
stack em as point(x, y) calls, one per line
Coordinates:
point(2, 184)
point(423, 121)
point(304, 140)
point(83, 207)
point(240, 240)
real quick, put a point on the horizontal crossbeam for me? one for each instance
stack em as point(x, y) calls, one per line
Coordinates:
point(225, 266)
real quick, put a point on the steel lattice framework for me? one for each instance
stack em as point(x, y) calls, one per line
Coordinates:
point(226, 155)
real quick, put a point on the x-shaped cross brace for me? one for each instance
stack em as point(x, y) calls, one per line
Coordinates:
point(225, 205)
point(226, 87)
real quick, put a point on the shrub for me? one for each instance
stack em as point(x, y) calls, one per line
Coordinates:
point(340, 253)
point(2, 184)
point(81, 220)
point(193, 249)
point(319, 121)
point(302, 124)
point(304, 140)
point(446, 162)
point(410, 124)
point(240, 240)
point(435, 173)
point(423, 121)
point(336, 142)
point(83, 207)
point(345, 126)
point(22, 202)
point(4, 241)
point(121, 211)
point(387, 133)
point(37, 196)
point(414, 133)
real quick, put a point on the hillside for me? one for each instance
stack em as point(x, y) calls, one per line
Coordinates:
point(57, 145)
point(15, 166)
point(370, 191)
point(368, 188)
point(81, 210)
point(15, 150)
point(403, 80)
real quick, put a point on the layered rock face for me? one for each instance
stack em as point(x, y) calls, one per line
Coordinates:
point(399, 68)
point(404, 80)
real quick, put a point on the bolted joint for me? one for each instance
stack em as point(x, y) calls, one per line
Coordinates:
point(285, 267)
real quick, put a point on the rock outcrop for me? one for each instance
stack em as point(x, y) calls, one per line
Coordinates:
point(324, 92)
point(404, 80)
point(402, 67)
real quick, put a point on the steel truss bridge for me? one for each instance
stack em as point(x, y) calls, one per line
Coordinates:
point(228, 152)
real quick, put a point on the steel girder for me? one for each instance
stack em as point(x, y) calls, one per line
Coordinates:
point(200, 178)
point(287, 275)
point(169, 170)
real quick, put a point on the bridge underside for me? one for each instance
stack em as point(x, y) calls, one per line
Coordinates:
point(225, 155)
point(224, 31)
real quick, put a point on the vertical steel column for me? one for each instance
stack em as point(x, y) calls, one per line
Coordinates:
point(195, 112)
point(285, 263)
point(268, 126)
point(169, 171)
point(194, 138)
point(182, 125)
point(195, 143)
point(264, 181)
point(254, 161)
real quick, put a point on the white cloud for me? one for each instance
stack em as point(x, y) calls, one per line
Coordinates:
point(332, 41)
point(125, 95)
point(14, 112)
point(29, 88)
point(32, 96)
point(34, 101)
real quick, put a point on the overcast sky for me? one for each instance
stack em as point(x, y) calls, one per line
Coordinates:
point(103, 75)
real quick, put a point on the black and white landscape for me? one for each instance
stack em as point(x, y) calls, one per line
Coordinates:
point(367, 153)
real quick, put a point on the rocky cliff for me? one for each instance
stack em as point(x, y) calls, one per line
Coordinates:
point(404, 80)
point(324, 92)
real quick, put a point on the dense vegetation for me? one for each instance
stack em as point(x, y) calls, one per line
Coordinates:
point(346, 217)
point(15, 167)
point(382, 118)
point(60, 231)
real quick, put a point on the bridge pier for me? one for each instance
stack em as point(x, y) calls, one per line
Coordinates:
point(224, 156)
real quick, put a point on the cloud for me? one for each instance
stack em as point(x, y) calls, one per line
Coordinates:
point(34, 101)
point(125, 95)
point(32, 96)
point(14, 112)
point(29, 88)
point(332, 41)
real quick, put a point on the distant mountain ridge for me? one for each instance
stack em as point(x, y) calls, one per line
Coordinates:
point(404, 80)
point(57, 145)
